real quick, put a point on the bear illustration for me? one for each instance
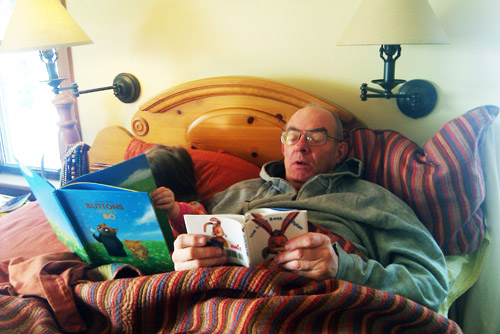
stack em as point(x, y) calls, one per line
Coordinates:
point(107, 236)
point(135, 247)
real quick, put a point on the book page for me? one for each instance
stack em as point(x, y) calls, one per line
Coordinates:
point(224, 230)
point(267, 230)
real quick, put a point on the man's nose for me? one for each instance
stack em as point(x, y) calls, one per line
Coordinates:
point(302, 144)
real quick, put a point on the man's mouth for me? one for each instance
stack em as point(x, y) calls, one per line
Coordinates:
point(301, 163)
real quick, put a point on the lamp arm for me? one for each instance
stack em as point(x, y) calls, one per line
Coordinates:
point(126, 88)
point(77, 92)
point(380, 93)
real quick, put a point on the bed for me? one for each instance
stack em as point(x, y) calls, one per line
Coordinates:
point(231, 126)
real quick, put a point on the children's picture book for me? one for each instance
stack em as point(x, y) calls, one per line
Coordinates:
point(108, 217)
point(251, 238)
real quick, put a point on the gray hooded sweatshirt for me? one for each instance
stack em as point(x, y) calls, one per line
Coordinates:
point(403, 258)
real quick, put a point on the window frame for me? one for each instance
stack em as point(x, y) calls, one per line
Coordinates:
point(65, 70)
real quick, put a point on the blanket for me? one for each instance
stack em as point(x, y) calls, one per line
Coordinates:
point(248, 300)
point(58, 293)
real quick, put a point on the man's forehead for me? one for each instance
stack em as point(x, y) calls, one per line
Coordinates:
point(320, 129)
point(311, 118)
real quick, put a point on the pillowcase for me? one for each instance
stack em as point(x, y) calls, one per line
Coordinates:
point(214, 171)
point(443, 181)
point(26, 232)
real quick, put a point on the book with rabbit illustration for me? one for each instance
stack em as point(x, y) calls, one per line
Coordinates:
point(251, 238)
point(108, 216)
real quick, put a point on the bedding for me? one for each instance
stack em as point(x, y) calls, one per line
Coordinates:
point(26, 232)
point(229, 300)
point(250, 300)
point(210, 168)
point(216, 119)
point(443, 181)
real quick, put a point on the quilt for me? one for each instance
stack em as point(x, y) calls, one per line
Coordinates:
point(248, 300)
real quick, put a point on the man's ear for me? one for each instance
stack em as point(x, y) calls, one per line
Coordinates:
point(283, 149)
point(342, 149)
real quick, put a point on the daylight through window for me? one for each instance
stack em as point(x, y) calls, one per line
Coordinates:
point(28, 119)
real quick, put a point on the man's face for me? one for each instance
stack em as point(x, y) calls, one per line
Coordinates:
point(303, 161)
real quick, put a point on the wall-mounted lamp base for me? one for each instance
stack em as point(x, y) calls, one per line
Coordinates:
point(126, 87)
point(420, 98)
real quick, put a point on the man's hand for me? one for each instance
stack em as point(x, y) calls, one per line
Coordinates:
point(310, 255)
point(190, 253)
point(164, 199)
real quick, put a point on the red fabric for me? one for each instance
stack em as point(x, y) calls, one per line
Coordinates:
point(214, 171)
point(48, 276)
point(27, 232)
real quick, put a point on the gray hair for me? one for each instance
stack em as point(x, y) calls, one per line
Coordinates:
point(340, 130)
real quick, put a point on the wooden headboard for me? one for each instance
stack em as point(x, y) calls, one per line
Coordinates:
point(242, 115)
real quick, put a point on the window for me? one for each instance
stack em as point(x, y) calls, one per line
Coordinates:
point(27, 116)
point(28, 119)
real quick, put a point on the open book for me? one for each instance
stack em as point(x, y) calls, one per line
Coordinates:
point(251, 238)
point(107, 216)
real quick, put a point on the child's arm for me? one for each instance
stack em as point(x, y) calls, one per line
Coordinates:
point(193, 208)
point(164, 199)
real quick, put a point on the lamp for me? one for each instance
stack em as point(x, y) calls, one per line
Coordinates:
point(391, 23)
point(45, 25)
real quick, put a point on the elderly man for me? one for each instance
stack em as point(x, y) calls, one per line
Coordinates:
point(380, 242)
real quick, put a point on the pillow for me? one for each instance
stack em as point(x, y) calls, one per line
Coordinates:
point(26, 232)
point(214, 171)
point(443, 181)
point(463, 272)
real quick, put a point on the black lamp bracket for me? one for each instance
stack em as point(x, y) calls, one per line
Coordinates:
point(415, 98)
point(126, 88)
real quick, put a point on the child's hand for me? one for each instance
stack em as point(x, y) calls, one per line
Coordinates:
point(164, 199)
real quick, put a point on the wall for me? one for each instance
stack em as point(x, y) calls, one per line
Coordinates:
point(168, 42)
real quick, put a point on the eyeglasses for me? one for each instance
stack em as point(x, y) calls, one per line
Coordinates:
point(313, 137)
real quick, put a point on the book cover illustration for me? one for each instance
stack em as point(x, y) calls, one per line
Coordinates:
point(55, 213)
point(106, 223)
point(251, 238)
point(133, 174)
point(117, 225)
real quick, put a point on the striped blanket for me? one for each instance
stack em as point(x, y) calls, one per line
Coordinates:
point(248, 300)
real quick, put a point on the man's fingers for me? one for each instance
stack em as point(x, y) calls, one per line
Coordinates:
point(197, 257)
point(304, 258)
point(189, 240)
point(308, 240)
point(309, 255)
point(189, 253)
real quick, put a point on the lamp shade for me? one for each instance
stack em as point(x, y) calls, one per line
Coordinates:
point(40, 25)
point(385, 22)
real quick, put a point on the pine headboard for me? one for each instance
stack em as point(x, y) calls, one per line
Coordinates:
point(243, 116)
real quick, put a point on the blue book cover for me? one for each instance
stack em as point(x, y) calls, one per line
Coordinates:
point(107, 216)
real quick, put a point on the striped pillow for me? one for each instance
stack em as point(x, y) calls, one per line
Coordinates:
point(443, 181)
